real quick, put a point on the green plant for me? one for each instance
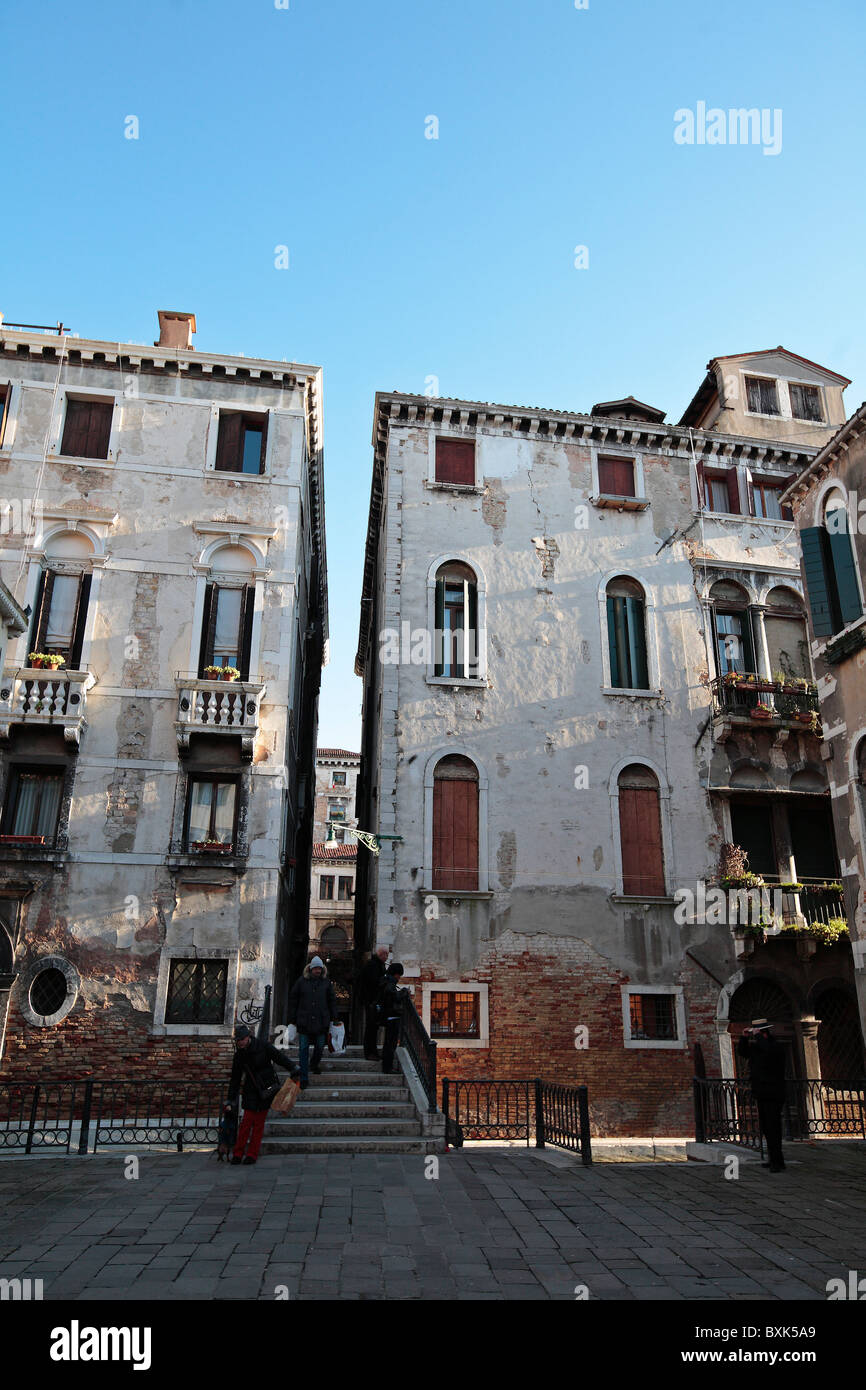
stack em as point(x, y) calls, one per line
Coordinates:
point(761, 708)
point(825, 932)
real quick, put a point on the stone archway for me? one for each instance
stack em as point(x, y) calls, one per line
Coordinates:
point(839, 1039)
point(752, 994)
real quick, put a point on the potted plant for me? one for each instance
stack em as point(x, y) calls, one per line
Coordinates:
point(761, 711)
point(230, 673)
point(212, 673)
point(22, 839)
point(211, 847)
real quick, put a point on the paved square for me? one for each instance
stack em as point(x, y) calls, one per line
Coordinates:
point(494, 1224)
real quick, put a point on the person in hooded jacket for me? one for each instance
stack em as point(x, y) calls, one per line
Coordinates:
point(312, 1008)
point(253, 1076)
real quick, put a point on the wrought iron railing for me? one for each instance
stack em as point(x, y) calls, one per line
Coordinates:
point(421, 1048)
point(83, 1116)
point(785, 702)
point(528, 1109)
point(39, 1115)
point(727, 1112)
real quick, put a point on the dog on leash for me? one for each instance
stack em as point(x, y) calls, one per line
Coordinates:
point(227, 1133)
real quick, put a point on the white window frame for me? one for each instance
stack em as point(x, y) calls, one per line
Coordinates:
point(456, 558)
point(455, 750)
point(213, 436)
point(83, 393)
point(781, 395)
point(650, 634)
point(204, 1030)
point(431, 987)
point(638, 759)
point(815, 386)
point(671, 1045)
point(435, 433)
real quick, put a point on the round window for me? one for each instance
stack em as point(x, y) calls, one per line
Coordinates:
point(48, 992)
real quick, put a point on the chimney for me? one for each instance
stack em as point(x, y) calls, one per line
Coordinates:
point(175, 329)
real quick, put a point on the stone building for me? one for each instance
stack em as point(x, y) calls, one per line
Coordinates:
point(332, 891)
point(829, 502)
point(158, 714)
point(557, 612)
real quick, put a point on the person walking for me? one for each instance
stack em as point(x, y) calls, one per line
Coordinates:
point(369, 982)
point(312, 1008)
point(253, 1076)
point(391, 1012)
point(766, 1057)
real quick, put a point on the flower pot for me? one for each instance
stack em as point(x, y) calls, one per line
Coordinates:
point(803, 717)
point(37, 664)
point(227, 677)
point(202, 847)
point(22, 839)
point(762, 715)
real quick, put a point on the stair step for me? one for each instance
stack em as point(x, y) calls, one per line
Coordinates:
point(356, 1078)
point(320, 1095)
point(352, 1109)
point(344, 1145)
point(316, 1127)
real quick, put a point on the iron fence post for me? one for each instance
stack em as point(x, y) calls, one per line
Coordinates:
point(445, 1088)
point(585, 1137)
point(700, 1127)
point(539, 1114)
point(32, 1125)
point(84, 1134)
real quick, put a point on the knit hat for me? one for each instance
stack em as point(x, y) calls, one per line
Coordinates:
point(395, 968)
point(317, 963)
point(242, 1031)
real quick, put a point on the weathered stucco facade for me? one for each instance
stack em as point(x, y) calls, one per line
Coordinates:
point(169, 886)
point(551, 932)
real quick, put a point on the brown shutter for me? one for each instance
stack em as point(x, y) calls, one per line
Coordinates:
point(616, 477)
point(248, 603)
point(641, 842)
point(787, 509)
point(41, 609)
point(264, 443)
point(98, 430)
point(80, 620)
point(208, 625)
point(733, 491)
point(455, 834)
point(228, 454)
point(455, 461)
point(4, 410)
point(75, 429)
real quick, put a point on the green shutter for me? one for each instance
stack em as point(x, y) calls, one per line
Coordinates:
point(473, 651)
point(438, 625)
point(812, 543)
point(612, 615)
point(636, 631)
point(842, 560)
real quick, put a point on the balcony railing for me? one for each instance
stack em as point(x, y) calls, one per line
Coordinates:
point(218, 707)
point(743, 695)
point(57, 698)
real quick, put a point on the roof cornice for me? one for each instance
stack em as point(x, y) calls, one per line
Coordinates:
point(824, 462)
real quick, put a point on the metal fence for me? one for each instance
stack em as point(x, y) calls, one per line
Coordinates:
point(421, 1048)
point(727, 1112)
point(84, 1116)
point(527, 1109)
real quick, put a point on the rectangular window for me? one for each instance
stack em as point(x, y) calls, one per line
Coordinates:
point(721, 491)
point(767, 502)
point(211, 812)
point(87, 429)
point(326, 887)
point(454, 1014)
point(227, 628)
point(626, 627)
point(60, 615)
point(32, 807)
point(761, 394)
point(806, 403)
point(653, 1017)
point(455, 461)
point(339, 779)
point(344, 889)
point(241, 442)
point(196, 991)
point(616, 477)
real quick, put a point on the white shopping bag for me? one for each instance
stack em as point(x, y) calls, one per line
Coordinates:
point(291, 1034)
point(338, 1037)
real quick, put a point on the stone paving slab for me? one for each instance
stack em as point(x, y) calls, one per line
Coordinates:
point(496, 1224)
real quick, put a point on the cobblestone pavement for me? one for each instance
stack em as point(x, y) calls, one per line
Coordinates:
point(493, 1225)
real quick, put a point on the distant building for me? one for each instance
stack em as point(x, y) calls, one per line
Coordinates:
point(334, 866)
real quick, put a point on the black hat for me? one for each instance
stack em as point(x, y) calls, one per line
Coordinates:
point(395, 968)
point(242, 1031)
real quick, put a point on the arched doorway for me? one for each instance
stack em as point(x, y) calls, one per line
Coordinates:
point(759, 997)
point(840, 1045)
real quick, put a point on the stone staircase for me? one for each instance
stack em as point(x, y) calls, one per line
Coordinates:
point(351, 1107)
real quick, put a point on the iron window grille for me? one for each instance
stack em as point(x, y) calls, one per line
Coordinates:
point(454, 1014)
point(196, 991)
point(653, 1017)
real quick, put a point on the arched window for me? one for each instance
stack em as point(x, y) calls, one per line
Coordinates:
point(831, 574)
point(60, 610)
point(455, 824)
point(640, 830)
point(229, 605)
point(333, 938)
point(456, 621)
point(735, 649)
point(787, 638)
point(626, 634)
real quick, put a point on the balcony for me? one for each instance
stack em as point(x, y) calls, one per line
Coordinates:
point(748, 699)
point(218, 707)
point(810, 912)
point(56, 698)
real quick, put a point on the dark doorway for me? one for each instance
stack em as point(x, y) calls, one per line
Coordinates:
point(752, 830)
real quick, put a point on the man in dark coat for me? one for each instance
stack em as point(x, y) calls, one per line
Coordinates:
point(312, 1008)
point(253, 1069)
point(766, 1058)
point(391, 1012)
point(369, 982)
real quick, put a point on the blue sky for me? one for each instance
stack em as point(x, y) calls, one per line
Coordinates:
point(454, 257)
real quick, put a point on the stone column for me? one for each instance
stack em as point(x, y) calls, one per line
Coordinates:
point(812, 1109)
point(762, 653)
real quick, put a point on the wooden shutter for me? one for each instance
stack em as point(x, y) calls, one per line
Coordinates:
point(4, 410)
point(733, 491)
point(616, 640)
point(98, 430)
point(787, 509)
point(439, 626)
point(75, 429)
point(750, 493)
point(473, 649)
point(616, 477)
point(702, 484)
point(635, 613)
point(208, 623)
point(80, 621)
point(820, 599)
point(455, 833)
point(455, 461)
point(264, 424)
point(228, 454)
point(641, 842)
point(248, 603)
point(41, 609)
point(845, 575)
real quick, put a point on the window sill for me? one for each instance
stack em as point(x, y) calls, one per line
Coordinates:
point(472, 682)
point(34, 854)
point(480, 894)
point(620, 504)
point(233, 475)
point(108, 462)
point(201, 859)
point(454, 487)
point(842, 644)
point(449, 1043)
point(632, 694)
point(646, 1044)
point(664, 901)
point(765, 415)
point(191, 1030)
